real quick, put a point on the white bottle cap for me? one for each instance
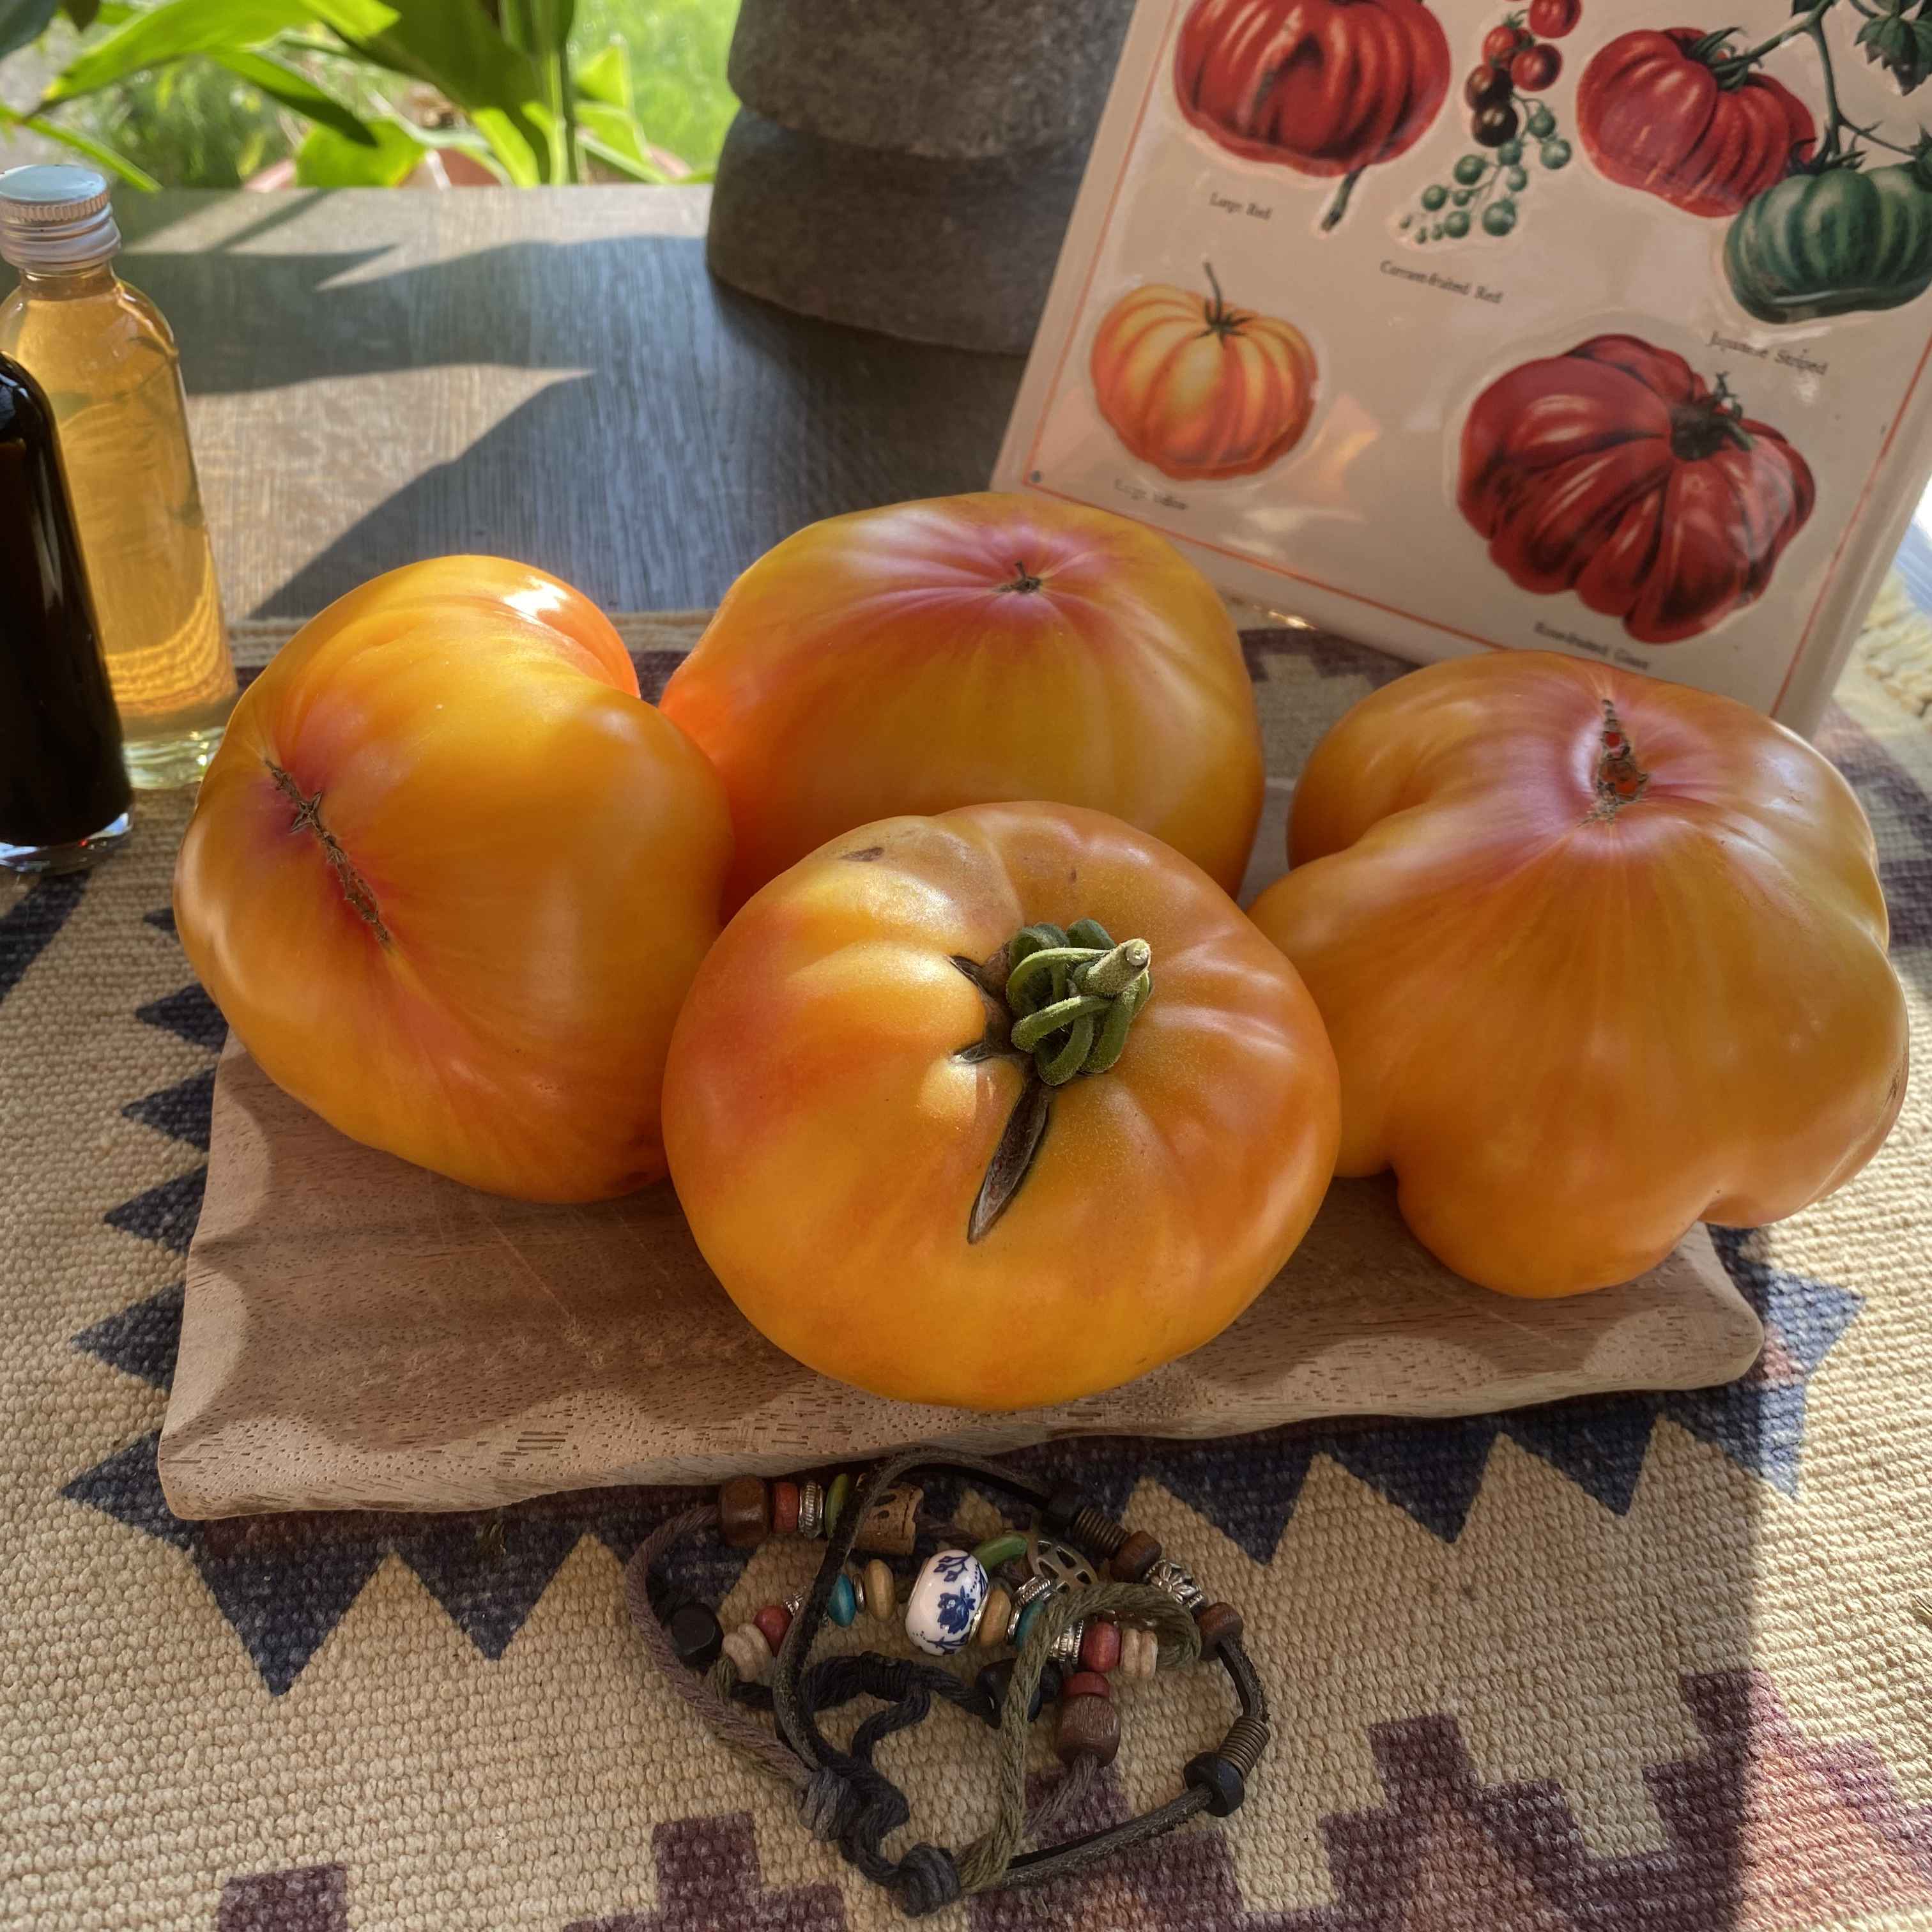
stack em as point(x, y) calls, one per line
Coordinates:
point(53, 216)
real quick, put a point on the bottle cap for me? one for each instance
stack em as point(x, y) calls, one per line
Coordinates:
point(53, 216)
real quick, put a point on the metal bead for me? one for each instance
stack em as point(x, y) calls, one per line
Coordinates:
point(1063, 1567)
point(1169, 1575)
point(810, 1507)
point(1067, 1645)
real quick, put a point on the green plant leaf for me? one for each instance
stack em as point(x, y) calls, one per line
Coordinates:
point(605, 76)
point(178, 27)
point(1902, 46)
point(101, 156)
point(612, 135)
point(297, 92)
point(328, 159)
point(82, 12)
point(453, 45)
point(23, 20)
point(539, 27)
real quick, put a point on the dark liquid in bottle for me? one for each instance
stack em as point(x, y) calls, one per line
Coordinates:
point(61, 776)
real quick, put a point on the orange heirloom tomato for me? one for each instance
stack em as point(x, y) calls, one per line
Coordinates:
point(1600, 957)
point(932, 1146)
point(968, 649)
point(449, 876)
point(1199, 389)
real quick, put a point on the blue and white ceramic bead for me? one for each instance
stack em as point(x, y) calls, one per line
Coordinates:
point(945, 1602)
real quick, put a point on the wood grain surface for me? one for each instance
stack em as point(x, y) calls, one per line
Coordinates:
point(376, 376)
point(362, 1334)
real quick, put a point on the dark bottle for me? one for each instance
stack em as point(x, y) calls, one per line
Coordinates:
point(63, 794)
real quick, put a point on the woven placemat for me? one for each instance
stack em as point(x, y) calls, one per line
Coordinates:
point(1649, 1661)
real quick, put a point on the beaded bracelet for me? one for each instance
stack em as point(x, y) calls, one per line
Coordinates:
point(1040, 1592)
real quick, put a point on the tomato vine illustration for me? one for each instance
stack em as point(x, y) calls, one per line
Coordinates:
point(1504, 95)
point(1692, 118)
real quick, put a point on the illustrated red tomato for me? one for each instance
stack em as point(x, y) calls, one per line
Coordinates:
point(1657, 112)
point(1600, 957)
point(1616, 472)
point(1535, 68)
point(1325, 87)
point(1551, 19)
point(1199, 388)
point(1500, 44)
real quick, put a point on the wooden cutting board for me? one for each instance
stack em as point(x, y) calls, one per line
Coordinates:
point(359, 1334)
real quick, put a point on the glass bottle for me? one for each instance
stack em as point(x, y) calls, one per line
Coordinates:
point(105, 358)
point(63, 793)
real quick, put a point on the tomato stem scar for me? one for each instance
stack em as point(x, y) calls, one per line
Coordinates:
point(308, 818)
point(1621, 780)
point(1024, 581)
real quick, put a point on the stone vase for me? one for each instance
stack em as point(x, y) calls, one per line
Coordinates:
point(909, 166)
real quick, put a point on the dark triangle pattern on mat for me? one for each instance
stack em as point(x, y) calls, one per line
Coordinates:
point(303, 1898)
point(141, 1341)
point(32, 923)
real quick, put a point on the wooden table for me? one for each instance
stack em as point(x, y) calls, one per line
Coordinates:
point(376, 376)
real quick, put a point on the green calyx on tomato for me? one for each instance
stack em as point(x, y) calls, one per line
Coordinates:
point(1065, 1000)
point(1834, 241)
point(1700, 430)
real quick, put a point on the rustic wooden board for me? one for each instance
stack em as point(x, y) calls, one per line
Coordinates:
point(360, 1333)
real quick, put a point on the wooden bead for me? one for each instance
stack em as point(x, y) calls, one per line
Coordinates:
point(695, 1635)
point(744, 1512)
point(747, 1648)
point(994, 1618)
point(784, 1509)
point(1218, 1624)
point(1139, 1648)
point(1135, 1558)
point(1089, 1727)
point(772, 1621)
point(1100, 1646)
point(890, 1527)
point(881, 1593)
point(1087, 1684)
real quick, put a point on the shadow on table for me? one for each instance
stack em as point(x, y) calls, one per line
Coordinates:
point(700, 424)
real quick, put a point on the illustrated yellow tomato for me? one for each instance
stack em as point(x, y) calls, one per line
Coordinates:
point(997, 1108)
point(1198, 388)
point(448, 878)
point(965, 651)
point(1600, 957)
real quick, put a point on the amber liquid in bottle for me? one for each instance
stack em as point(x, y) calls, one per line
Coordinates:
point(63, 793)
point(105, 357)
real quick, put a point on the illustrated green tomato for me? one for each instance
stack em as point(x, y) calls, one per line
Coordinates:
point(1457, 224)
point(1554, 154)
point(1433, 198)
point(1834, 243)
point(1542, 123)
point(1462, 196)
point(1436, 233)
point(1404, 221)
point(1499, 218)
point(1469, 170)
point(1510, 153)
point(1517, 180)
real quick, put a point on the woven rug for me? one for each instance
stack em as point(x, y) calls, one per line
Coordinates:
point(1658, 1662)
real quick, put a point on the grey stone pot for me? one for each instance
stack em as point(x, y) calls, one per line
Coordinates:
point(954, 252)
point(949, 79)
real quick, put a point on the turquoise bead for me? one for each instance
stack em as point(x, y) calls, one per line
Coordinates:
point(1027, 1618)
point(844, 1605)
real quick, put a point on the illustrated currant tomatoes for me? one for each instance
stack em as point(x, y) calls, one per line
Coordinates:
point(1500, 44)
point(998, 1107)
point(1660, 112)
point(1616, 472)
point(1493, 126)
point(1601, 957)
point(1325, 87)
point(1551, 19)
point(1535, 68)
point(1486, 84)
